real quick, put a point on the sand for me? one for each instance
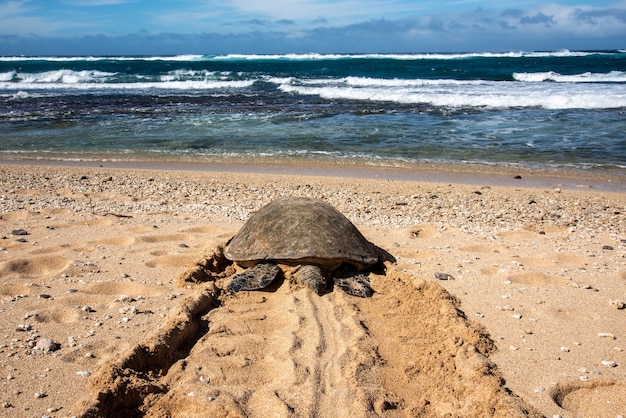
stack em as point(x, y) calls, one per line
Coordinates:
point(104, 310)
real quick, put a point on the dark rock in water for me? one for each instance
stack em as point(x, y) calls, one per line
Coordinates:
point(517, 177)
point(20, 231)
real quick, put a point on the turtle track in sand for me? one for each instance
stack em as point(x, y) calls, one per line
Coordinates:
point(282, 354)
point(407, 351)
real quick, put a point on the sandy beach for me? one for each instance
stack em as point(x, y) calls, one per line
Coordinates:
point(102, 314)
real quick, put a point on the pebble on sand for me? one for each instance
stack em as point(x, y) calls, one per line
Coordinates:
point(443, 276)
point(47, 345)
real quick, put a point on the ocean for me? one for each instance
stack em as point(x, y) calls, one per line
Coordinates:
point(554, 110)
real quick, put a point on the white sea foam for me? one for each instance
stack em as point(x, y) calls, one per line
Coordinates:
point(412, 56)
point(20, 95)
point(472, 93)
point(7, 76)
point(179, 75)
point(90, 79)
point(396, 82)
point(611, 77)
point(99, 80)
point(188, 57)
point(62, 76)
point(584, 91)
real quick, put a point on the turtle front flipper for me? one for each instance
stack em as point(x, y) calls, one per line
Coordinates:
point(310, 276)
point(357, 284)
point(257, 277)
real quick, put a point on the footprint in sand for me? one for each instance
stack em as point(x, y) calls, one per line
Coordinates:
point(34, 267)
point(171, 261)
point(424, 231)
point(517, 234)
point(570, 259)
point(121, 241)
point(131, 289)
point(591, 399)
point(484, 248)
point(166, 238)
point(56, 211)
point(14, 290)
point(49, 250)
point(60, 315)
point(204, 230)
point(140, 229)
point(14, 216)
point(536, 279)
point(490, 271)
point(95, 222)
point(537, 262)
point(553, 260)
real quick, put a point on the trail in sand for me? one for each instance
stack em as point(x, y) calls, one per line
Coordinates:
point(289, 352)
point(283, 353)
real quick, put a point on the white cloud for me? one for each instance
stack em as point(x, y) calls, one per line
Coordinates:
point(18, 18)
point(344, 11)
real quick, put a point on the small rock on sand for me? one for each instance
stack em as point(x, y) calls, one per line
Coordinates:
point(47, 345)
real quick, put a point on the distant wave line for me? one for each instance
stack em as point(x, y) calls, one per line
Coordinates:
point(319, 56)
point(188, 57)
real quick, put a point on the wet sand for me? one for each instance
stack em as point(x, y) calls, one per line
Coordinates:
point(531, 324)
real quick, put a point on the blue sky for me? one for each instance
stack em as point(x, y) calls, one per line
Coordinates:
point(79, 27)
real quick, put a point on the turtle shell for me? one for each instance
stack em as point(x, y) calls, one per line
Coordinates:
point(298, 229)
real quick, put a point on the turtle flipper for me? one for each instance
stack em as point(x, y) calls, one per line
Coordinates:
point(312, 277)
point(356, 285)
point(257, 277)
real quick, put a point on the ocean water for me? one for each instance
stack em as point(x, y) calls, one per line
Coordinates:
point(564, 109)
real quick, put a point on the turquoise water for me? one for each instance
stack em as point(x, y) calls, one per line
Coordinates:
point(536, 109)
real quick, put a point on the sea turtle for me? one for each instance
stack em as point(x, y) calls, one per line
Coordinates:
point(308, 237)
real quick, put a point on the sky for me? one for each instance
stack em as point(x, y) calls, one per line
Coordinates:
point(157, 27)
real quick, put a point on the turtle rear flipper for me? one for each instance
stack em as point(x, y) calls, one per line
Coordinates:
point(257, 277)
point(312, 277)
point(357, 285)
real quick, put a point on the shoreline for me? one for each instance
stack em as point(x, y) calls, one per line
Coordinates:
point(468, 174)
